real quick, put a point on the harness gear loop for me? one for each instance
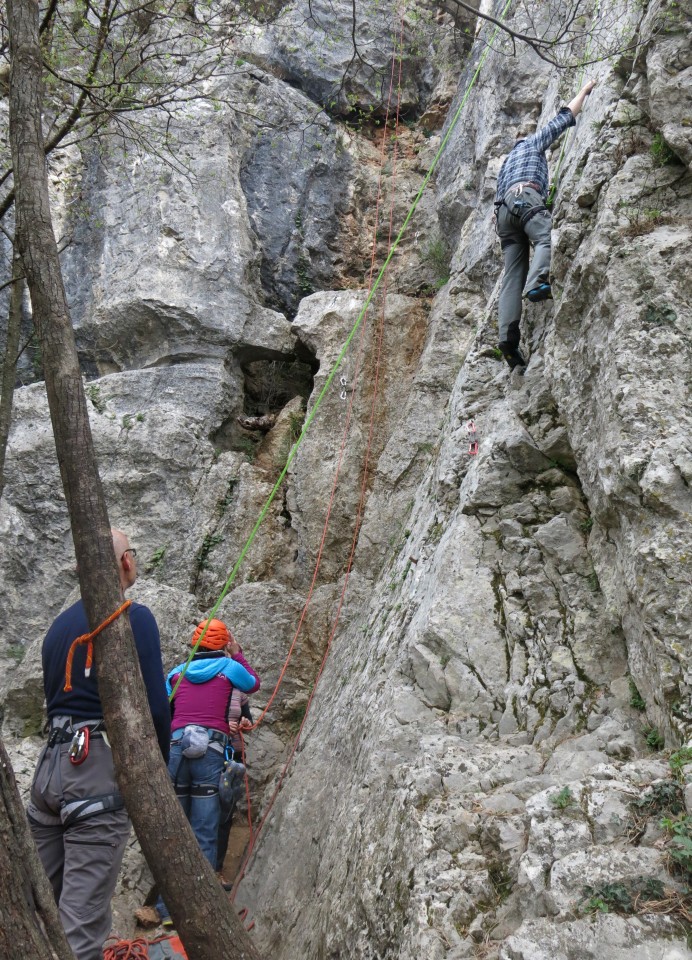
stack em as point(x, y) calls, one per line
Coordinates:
point(88, 638)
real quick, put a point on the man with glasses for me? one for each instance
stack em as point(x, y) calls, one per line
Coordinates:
point(76, 812)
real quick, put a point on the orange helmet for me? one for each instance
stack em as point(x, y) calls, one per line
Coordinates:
point(216, 638)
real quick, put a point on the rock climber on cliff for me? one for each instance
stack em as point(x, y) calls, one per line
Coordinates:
point(524, 219)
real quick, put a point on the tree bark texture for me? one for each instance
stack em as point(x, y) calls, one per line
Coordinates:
point(9, 363)
point(29, 923)
point(205, 919)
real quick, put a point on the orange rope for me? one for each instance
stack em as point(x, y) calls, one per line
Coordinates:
point(254, 836)
point(88, 638)
point(126, 949)
point(349, 415)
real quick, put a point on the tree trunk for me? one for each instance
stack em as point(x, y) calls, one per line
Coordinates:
point(206, 921)
point(9, 364)
point(29, 923)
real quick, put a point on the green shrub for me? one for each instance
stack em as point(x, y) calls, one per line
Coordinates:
point(678, 760)
point(662, 155)
point(155, 560)
point(436, 255)
point(653, 738)
point(210, 541)
point(562, 799)
point(679, 847)
point(629, 895)
point(636, 699)
point(666, 795)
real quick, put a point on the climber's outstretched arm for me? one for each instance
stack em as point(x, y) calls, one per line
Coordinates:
point(578, 102)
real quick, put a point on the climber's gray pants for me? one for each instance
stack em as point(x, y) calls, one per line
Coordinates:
point(515, 240)
point(81, 846)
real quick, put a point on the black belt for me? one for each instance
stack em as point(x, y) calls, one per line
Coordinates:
point(58, 735)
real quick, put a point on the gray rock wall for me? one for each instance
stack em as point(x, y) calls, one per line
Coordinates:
point(473, 758)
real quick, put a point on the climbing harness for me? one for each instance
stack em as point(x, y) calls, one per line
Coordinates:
point(88, 638)
point(519, 208)
point(473, 438)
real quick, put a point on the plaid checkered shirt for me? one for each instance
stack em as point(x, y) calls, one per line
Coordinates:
point(526, 163)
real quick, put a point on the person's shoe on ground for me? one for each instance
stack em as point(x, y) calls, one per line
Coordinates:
point(147, 917)
point(542, 292)
point(511, 355)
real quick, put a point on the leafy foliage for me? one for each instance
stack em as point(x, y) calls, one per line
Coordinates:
point(664, 795)
point(628, 896)
point(113, 67)
point(678, 760)
point(661, 152)
point(210, 541)
point(653, 738)
point(563, 799)
point(636, 699)
point(156, 559)
point(679, 847)
point(436, 256)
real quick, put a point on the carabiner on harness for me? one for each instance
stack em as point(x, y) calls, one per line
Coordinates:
point(79, 747)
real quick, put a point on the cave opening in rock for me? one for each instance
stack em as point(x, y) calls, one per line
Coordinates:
point(271, 383)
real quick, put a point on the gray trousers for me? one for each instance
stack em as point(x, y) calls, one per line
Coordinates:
point(81, 856)
point(515, 240)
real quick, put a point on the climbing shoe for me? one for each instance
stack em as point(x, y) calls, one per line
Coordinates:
point(541, 292)
point(511, 355)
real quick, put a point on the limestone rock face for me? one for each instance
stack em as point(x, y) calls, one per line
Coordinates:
point(341, 57)
point(507, 627)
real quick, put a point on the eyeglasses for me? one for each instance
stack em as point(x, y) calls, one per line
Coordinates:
point(129, 550)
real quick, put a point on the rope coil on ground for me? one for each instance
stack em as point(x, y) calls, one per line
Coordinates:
point(126, 949)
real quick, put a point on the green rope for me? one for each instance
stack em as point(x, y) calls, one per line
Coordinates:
point(563, 149)
point(344, 349)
